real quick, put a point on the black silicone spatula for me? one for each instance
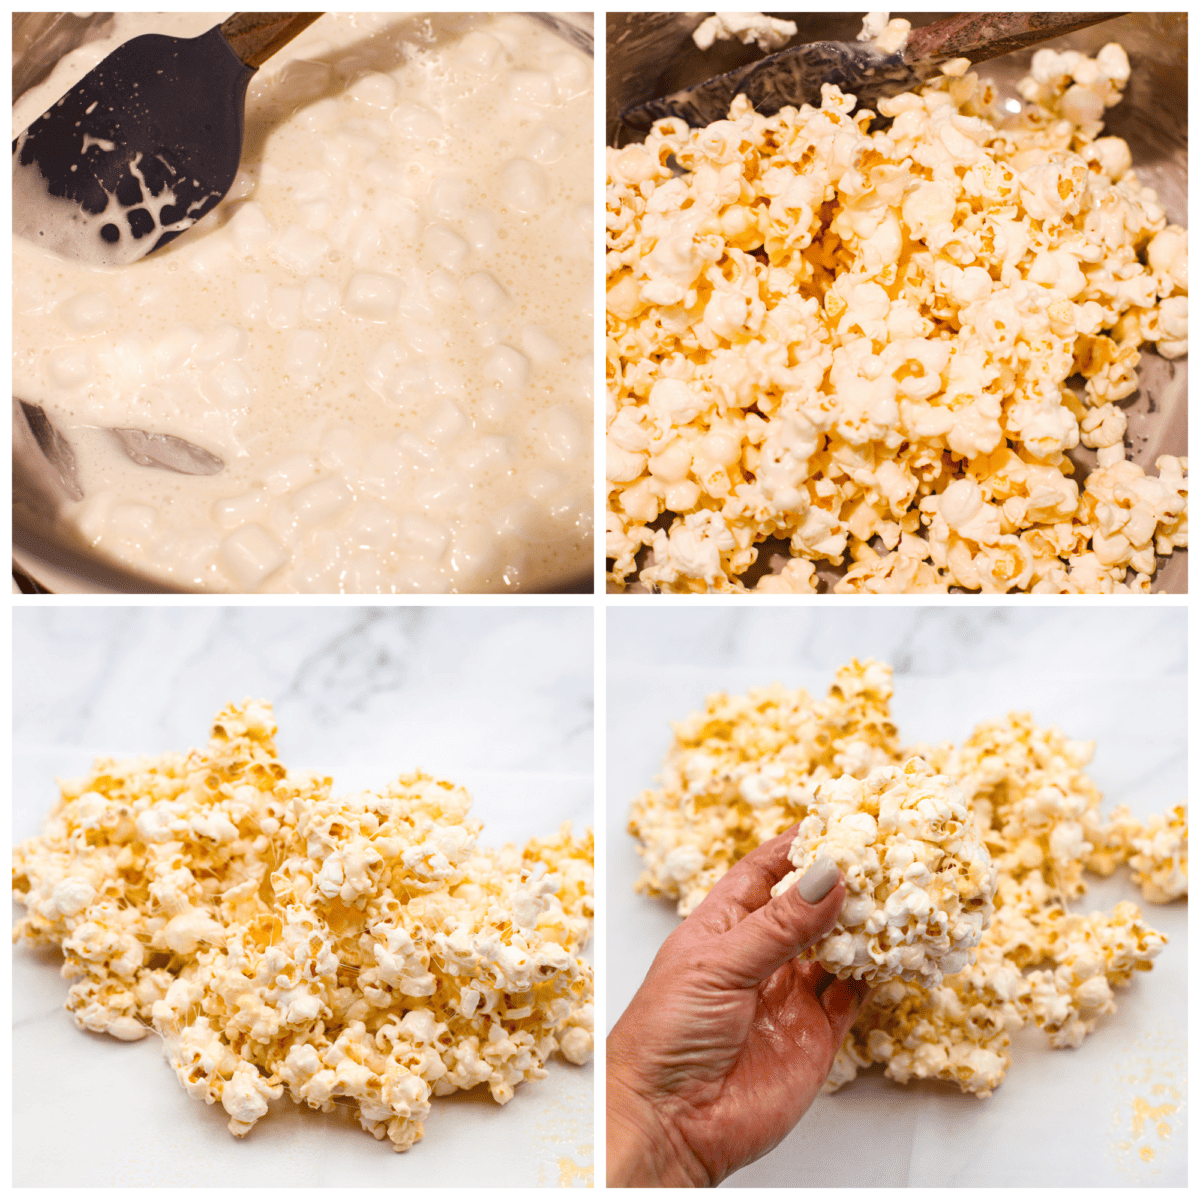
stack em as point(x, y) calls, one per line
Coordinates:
point(145, 144)
point(794, 76)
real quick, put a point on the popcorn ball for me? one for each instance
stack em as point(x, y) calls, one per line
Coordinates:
point(358, 950)
point(748, 768)
point(919, 882)
point(859, 342)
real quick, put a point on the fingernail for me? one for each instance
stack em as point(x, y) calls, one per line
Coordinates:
point(815, 884)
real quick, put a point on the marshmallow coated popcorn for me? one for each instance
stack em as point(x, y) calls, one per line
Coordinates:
point(767, 33)
point(750, 767)
point(859, 343)
point(747, 767)
point(919, 881)
point(360, 950)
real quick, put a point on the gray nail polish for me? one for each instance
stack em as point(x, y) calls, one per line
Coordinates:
point(816, 883)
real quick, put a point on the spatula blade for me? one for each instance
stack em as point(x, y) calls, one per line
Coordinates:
point(137, 152)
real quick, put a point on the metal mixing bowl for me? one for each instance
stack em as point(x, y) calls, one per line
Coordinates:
point(652, 54)
point(43, 550)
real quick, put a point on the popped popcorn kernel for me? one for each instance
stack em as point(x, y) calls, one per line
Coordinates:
point(767, 33)
point(1159, 858)
point(360, 949)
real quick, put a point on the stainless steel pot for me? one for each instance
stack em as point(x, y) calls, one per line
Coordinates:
point(42, 549)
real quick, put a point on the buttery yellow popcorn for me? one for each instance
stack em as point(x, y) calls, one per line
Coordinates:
point(859, 342)
point(748, 768)
point(919, 881)
point(1159, 856)
point(358, 950)
point(744, 770)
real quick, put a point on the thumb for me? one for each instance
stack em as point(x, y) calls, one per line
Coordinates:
point(757, 946)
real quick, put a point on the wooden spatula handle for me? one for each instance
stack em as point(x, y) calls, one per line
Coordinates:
point(254, 37)
point(980, 36)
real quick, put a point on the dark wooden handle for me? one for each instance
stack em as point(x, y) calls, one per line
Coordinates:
point(980, 36)
point(254, 37)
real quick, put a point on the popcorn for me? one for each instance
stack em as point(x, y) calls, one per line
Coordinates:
point(1011, 809)
point(358, 949)
point(859, 342)
point(767, 33)
point(745, 769)
point(919, 882)
point(888, 37)
point(1095, 952)
point(1159, 861)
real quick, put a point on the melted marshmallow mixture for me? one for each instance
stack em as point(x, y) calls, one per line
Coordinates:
point(384, 330)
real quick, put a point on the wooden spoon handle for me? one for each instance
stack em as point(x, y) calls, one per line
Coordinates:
point(980, 36)
point(254, 37)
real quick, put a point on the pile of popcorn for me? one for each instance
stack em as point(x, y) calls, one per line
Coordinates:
point(859, 342)
point(919, 881)
point(749, 767)
point(359, 950)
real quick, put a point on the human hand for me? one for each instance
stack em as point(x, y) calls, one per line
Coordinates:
point(730, 1036)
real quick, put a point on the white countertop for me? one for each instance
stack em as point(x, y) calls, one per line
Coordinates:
point(497, 699)
point(1116, 675)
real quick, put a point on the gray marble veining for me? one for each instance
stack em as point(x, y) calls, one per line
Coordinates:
point(503, 688)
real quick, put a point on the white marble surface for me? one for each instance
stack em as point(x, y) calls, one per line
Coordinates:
point(497, 699)
point(1117, 676)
